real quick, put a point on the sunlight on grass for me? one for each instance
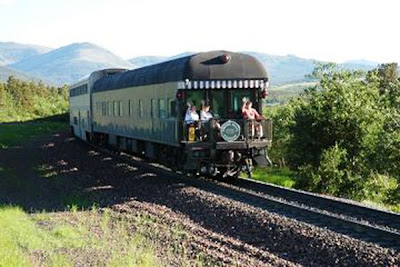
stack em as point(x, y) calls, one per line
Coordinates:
point(11, 134)
point(135, 254)
point(282, 177)
point(60, 237)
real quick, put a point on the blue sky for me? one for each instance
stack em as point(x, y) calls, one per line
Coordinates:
point(327, 30)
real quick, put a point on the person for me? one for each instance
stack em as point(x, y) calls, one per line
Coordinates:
point(206, 116)
point(191, 115)
point(191, 120)
point(250, 113)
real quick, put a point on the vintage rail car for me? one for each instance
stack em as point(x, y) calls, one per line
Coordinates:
point(143, 111)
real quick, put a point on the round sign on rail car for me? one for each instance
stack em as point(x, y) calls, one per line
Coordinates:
point(230, 131)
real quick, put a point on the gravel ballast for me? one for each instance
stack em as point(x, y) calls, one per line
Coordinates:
point(224, 229)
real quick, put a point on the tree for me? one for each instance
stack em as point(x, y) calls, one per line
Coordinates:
point(343, 133)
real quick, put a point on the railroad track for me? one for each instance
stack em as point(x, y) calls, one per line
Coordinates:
point(380, 227)
point(357, 221)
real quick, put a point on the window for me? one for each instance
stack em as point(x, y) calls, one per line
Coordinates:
point(103, 108)
point(120, 113)
point(162, 112)
point(218, 103)
point(129, 108)
point(110, 108)
point(195, 97)
point(80, 90)
point(171, 108)
point(140, 109)
point(154, 108)
point(235, 103)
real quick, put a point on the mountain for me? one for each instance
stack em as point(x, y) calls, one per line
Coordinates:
point(13, 52)
point(69, 63)
point(360, 64)
point(142, 61)
point(7, 72)
point(285, 69)
point(282, 69)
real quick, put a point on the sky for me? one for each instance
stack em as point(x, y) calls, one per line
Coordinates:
point(329, 30)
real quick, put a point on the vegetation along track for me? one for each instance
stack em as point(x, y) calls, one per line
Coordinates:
point(360, 222)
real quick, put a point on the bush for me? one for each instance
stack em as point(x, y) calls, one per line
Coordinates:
point(21, 100)
point(380, 188)
point(342, 137)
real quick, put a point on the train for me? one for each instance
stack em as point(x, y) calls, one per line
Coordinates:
point(143, 111)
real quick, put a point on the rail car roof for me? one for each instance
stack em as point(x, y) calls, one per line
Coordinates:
point(201, 66)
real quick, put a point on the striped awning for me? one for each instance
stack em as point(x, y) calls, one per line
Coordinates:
point(223, 84)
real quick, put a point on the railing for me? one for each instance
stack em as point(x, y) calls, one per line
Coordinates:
point(225, 130)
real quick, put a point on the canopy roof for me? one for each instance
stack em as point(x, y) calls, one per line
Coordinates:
point(214, 65)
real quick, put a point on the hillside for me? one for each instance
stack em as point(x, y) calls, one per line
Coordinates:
point(13, 52)
point(6, 72)
point(285, 69)
point(138, 62)
point(69, 63)
point(359, 64)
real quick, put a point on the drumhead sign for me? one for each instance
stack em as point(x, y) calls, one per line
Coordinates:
point(230, 131)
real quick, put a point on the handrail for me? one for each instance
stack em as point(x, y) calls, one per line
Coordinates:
point(250, 130)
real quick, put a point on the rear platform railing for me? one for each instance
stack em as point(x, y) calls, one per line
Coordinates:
point(250, 130)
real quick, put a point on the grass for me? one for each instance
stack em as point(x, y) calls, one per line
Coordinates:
point(278, 176)
point(63, 239)
point(13, 133)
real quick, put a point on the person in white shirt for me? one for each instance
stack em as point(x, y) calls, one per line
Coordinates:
point(191, 115)
point(206, 116)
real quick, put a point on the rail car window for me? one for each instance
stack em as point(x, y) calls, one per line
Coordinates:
point(104, 108)
point(140, 108)
point(236, 101)
point(154, 108)
point(171, 108)
point(110, 108)
point(196, 98)
point(115, 108)
point(129, 108)
point(162, 112)
point(218, 103)
point(228, 103)
point(120, 109)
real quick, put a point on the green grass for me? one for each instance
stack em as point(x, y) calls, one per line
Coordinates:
point(61, 239)
point(278, 176)
point(13, 133)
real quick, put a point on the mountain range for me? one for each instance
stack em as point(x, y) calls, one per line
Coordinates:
point(69, 63)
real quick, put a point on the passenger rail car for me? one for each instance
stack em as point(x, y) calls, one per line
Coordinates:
point(143, 111)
